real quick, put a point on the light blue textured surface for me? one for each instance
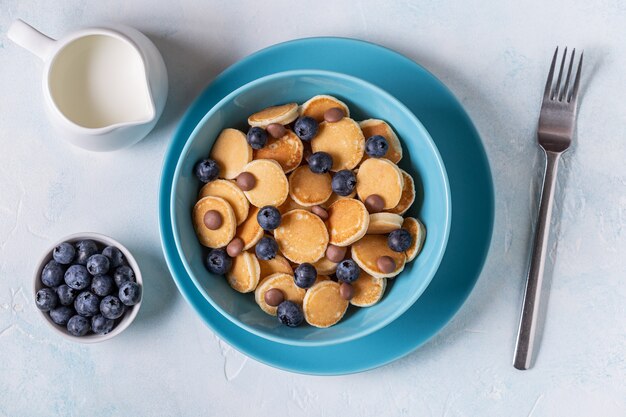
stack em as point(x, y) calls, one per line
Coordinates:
point(493, 55)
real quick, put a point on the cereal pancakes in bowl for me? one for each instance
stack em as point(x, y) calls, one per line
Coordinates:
point(308, 217)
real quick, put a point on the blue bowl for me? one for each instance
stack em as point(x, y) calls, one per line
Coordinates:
point(421, 159)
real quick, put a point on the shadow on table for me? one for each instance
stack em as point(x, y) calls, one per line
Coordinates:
point(159, 290)
point(189, 70)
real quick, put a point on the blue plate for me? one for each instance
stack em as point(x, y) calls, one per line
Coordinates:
point(470, 185)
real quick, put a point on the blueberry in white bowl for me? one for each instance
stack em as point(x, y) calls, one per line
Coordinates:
point(88, 287)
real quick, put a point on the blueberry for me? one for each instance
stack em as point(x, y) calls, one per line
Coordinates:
point(64, 253)
point(111, 307)
point(290, 314)
point(343, 182)
point(306, 128)
point(305, 275)
point(102, 285)
point(98, 264)
point(130, 293)
point(123, 274)
point(46, 299)
point(78, 326)
point(52, 274)
point(268, 218)
point(320, 162)
point(101, 325)
point(84, 249)
point(399, 240)
point(218, 262)
point(116, 257)
point(66, 295)
point(87, 304)
point(376, 146)
point(207, 170)
point(347, 271)
point(77, 277)
point(266, 248)
point(61, 315)
point(256, 137)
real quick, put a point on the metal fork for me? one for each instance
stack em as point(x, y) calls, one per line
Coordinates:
point(557, 121)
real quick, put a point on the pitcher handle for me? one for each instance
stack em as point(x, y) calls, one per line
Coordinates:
point(31, 39)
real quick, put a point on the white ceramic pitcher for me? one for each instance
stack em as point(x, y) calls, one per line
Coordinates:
point(104, 87)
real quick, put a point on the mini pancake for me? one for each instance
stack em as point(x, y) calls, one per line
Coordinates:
point(223, 235)
point(283, 115)
point(366, 252)
point(287, 151)
point(283, 282)
point(301, 236)
point(245, 273)
point(325, 266)
point(348, 220)
point(231, 152)
point(334, 197)
point(380, 176)
point(418, 233)
point(308, 188)
point(230, 192)
point(368, 290)
point(271, 188)
point(273, 266)
point(289, 205)
point(249, 231)
point(316, 106)
point(323, 305)
point(373, 127)
point(383, 223)
point(408, 194)
point(343, 140)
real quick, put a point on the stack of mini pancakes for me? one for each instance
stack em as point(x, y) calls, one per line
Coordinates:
point(314, 218)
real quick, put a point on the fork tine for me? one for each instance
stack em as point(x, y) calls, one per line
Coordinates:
point(557, 87)
point(563, 93)
point(546, 93)
point(574, 95)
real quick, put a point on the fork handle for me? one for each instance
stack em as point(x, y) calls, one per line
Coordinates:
point(530, 310)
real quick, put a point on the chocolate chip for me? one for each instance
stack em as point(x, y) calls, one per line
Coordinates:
point(320, 212)
point(246, 181)
point(374, 203)
point(336, 253)
point(235, 247)
point(276, 130)
point(386, 264)
point(213, 219)
point(346, 291)
point(334, 114)
point(274, 297)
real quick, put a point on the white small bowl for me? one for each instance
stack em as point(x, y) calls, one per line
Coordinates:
point(102, 241)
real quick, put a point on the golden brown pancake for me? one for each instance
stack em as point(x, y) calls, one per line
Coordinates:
point(287, 151)
point(380, 176)
point(223, 235)
point(271, 188)
point(347, 222)
point(244, 273)
point(323, 306)
point(368, 290)
point(230, 192)
point(343, 140)
point(301, 236)
point(366, 252)
point(231, 152)
point(283, 282)
point(316, 106)
point(408, 194)
point(308, 188)
point(283, 115)
point(372, 127)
